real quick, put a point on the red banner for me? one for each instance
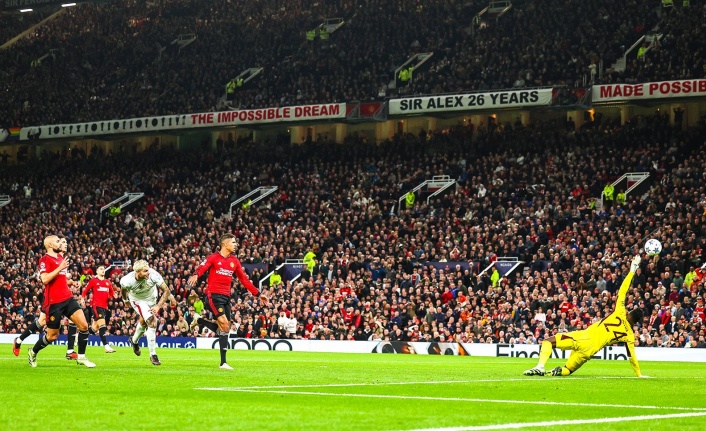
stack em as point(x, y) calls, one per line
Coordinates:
point(369, 109)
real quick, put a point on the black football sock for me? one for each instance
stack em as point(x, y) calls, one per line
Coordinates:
point(39, 345)
point(31, 329)
point(207, 323)
point(102, 330)
point(223, 344)
point(82, 342)
point(71, 333)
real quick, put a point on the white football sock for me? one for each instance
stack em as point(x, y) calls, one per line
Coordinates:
point(138, 333)
point(151, 340)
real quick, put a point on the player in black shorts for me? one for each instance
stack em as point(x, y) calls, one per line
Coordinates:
point(38, 324)
point(221, 268)
point(103, 292)
point(59, 301)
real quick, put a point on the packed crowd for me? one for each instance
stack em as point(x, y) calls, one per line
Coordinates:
point(122, 59)
point(523, 192)
point(13, 25)
point(679, 54)
point(535, 44)
point(128, 51)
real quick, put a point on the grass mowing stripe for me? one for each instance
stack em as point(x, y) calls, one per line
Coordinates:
point(472, 400)
point(564, 422)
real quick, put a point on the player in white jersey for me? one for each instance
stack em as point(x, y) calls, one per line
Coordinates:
point(141, 287)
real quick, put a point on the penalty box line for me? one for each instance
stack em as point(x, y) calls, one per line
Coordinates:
point(452, 399)
point(564, 422)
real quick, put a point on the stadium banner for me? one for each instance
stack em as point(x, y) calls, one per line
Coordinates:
point(420, 348)
point(113, 340)
point(186, 121)
point(293, 270)
point(321, 346)
point(10, 135)
point(614, 353)
point(529, 351)
point(648, 90)
point(504, 266)
point(9, 5)
point(472, 101)
point(336, 346)
point(450, 265)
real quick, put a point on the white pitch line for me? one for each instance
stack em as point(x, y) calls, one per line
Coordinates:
point(435, 382)
point(347, 385)
point(564, 422)
point(471, 400)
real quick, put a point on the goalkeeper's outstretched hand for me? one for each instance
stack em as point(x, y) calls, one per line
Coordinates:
point(635, 263)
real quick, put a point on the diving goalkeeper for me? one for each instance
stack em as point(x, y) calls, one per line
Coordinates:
point(616, 328)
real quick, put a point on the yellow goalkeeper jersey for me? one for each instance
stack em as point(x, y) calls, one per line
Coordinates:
point(614, 328)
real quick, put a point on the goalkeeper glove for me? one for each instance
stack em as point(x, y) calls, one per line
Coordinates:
point(635, 264)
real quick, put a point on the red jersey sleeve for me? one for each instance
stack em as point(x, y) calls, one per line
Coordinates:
point(112, 290)
point(42, 266)
point(204, 266)
point(88, 287)
point(243, 277)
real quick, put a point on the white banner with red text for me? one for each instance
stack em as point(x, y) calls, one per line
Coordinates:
point(473, 101)
point(648, 90)
point(186, 121)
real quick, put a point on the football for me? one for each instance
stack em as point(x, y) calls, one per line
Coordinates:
point(653, 247)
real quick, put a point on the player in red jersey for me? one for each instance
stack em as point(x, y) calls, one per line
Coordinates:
point(38, 324)
point(222, 266)
point(75, 289)
point(102, 292)
point(59, 301)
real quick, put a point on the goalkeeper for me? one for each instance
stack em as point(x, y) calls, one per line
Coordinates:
point(616, 328)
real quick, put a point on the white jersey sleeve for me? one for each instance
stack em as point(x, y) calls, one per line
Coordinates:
point(142, 290)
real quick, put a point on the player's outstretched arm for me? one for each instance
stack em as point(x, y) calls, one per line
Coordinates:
point(87, 289)
point(633, 359)
point(622, 293)
point(635, 264)
point(243, 277)
point(200, 271)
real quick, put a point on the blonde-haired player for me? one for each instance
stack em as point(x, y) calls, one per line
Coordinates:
point(141, 287)
point(616, 328)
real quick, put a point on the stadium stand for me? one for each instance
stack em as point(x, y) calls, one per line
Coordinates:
point(678, 55)
point(13, 25)
point(124, 59)
point(522, 191)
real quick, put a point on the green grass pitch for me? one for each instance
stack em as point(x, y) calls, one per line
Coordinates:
point(271, 390)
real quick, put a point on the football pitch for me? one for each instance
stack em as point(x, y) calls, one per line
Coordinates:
point(271, 390)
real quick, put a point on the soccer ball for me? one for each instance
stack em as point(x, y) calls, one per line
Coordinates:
point(653, 247)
